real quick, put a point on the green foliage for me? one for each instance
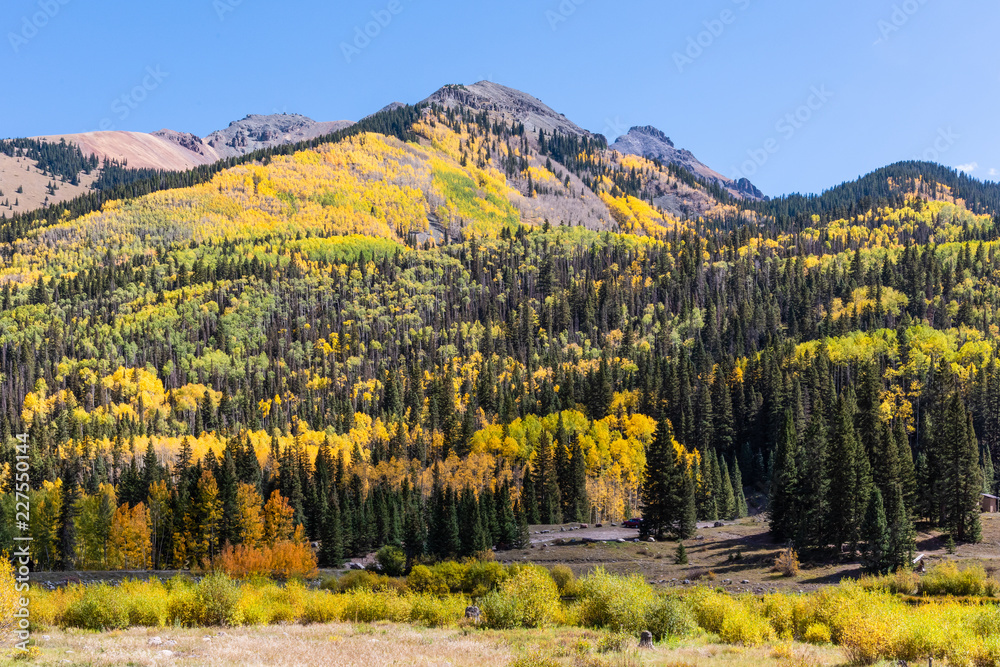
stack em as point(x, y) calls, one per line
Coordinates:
point(392, 560)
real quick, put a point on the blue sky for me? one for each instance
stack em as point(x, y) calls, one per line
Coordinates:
point(798, 96)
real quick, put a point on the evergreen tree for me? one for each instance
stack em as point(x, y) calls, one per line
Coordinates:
point(875, 532)
point(786, 500)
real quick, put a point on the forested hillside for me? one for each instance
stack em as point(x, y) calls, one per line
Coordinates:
point(434, 328)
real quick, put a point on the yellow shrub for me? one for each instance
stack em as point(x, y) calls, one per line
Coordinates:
point(615, 602)
point(866, 640)
point(435, 612)
point(817, 633)
point(735, 620)
point(147, 602)
point(529, 599)
point(367, 606)
point(423, 580)
point(948, 579)
point(746, 627)
point(253, 608)
point(322, 607)
point(184, 607)
point(8, 595)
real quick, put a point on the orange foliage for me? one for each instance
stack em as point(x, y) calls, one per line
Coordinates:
point(284, 559)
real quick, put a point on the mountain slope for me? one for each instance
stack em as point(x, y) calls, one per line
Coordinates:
point(509, 104)
point(652, 143)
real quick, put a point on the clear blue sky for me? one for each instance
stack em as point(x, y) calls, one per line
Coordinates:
point(896, 79)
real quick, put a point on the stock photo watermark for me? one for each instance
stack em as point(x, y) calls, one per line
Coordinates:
point(364, 35)
point(897, 20)
point(22, 552)
point(126, 103)
point(223, 7)
point(562, 13)
point(31, 25)
point(786, 128)
point(945, 139)
point(699, 43)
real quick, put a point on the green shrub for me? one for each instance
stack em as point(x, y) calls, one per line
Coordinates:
point(101, 607)
point(669, 617)
point(392, 561)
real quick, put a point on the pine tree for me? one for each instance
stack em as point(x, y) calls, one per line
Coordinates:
point(849, 478)
point(742, 510)
point(785, 494)
point(664, 491)
point(875, 533)
point(578, 484)
point(331, 553)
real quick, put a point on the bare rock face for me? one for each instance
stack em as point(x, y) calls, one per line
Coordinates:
point(511, 104)
point(256, 132)
point(651, 143)
point(182, 139)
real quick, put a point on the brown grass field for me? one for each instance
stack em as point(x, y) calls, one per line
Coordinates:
point(381, 645)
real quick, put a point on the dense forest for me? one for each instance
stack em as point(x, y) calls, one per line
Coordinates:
point(405, 334)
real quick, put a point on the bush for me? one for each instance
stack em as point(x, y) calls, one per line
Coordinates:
point(436, 612)
point(101, 607)
point(217, 596)
point(146, 602)
point(817, 633)
point(669, 617)
point(368, 606)
point(322, 607)
point(363, 579)
point(8, 594)
point(564, 578)
point(614, 642)
point(424, 580)
point(947, 579)
point(392, 560)
point(614, 602)
point(528, 599)
point(184, 607)
point(733, 619)
point(481, 577)
point(787, 563)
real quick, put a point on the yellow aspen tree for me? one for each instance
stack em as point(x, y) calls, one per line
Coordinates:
point(278, 524)
point(249, 526)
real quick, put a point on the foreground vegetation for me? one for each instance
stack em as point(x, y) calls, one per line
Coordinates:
point(949, 613)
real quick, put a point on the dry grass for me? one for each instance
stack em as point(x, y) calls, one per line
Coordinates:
point(379, 645)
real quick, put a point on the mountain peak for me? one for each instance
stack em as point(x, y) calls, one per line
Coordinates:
point(649, 142)
point(510, 103)
point(651, 131)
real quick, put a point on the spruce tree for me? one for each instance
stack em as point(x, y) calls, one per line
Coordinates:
point(875, 533)
point(785, 499)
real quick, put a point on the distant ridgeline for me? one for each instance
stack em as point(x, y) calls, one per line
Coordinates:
point(118, 181)
point(440, 324)
point(58, 160)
